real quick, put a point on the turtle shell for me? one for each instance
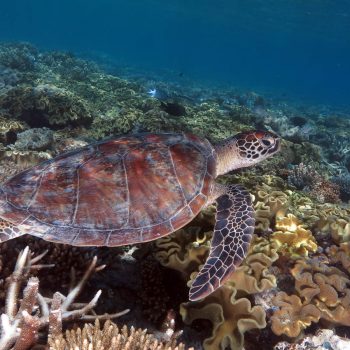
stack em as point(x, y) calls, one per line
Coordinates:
point(128, 190)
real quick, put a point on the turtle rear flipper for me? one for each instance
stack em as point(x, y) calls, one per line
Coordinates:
point(232, 234)
point(8, 231)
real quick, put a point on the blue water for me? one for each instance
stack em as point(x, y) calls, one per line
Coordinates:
point(299, 49)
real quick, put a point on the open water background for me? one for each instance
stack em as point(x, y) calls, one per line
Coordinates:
point(298, 49)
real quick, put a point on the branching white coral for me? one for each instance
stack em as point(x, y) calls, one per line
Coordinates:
point(21, 322)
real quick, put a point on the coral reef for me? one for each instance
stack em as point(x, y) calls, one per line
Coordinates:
point(18, 56)
point(292, 238)
point(20, 326)
point(323, 339)
point(323, 293)
point(110, 336)
point(37, 139)
point(292, 316)
point(9, 130)
point(296, 274)
point(309, 179)
point(46, 105)
point(231, 318)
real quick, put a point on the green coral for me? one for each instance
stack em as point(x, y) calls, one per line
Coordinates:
point(46, 105)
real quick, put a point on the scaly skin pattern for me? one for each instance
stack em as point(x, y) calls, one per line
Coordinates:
point(129, 190)
point(136, 189)
point(233, 232)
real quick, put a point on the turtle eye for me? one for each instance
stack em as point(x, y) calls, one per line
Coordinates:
point(266, 142)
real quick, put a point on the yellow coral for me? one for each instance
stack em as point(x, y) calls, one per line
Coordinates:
point(253, 276)
point(341, 254)
point(292, 316)
point(110, 336)
point(326, 287)
point(334, 220)
point(317, 280)
point(183, 250)
point(230, 317)
point(268, 203)
point(292, 239)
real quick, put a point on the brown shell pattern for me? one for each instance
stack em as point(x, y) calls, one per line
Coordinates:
point(128, 190)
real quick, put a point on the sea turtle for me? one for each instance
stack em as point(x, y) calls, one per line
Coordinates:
point(138, 188)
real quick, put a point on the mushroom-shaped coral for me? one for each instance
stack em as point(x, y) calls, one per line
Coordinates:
point(230, 318)
point(268, 203)
point(334, 220)
point(183, 250)
point(253, 276)
point(315, 279)
point(340, 254)
point(292, 239)
point(292, 316)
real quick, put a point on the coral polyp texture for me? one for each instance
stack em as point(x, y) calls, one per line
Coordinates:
point(110, 336)
point(295, 279)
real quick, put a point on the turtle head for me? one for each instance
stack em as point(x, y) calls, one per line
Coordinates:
point(246, 149)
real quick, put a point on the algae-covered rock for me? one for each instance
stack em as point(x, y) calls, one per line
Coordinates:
point(46, 105)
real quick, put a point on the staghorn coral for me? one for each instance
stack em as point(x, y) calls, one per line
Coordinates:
point(292, 239)
point(110, 336)
point(230, 317)
point(20, 325)
point(292, 316)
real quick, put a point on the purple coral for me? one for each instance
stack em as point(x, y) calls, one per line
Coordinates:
point(307, 178)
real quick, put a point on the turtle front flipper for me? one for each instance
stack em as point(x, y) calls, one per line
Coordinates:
point(232, 234)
